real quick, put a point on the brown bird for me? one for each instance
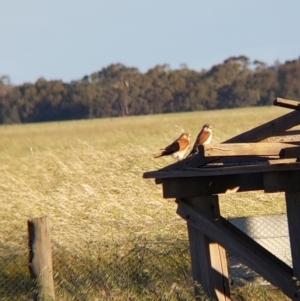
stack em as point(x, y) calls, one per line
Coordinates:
point(204, 137)
point(177, 148)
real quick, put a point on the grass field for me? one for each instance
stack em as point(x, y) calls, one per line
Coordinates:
point(87, 177)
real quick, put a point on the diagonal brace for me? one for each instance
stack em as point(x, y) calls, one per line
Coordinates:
point(247, 250)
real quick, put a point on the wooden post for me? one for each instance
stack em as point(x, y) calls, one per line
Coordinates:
point(40, 258)
point(293, 212)
point(209, 262)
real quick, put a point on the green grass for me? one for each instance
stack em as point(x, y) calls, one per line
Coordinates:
point(87, 177)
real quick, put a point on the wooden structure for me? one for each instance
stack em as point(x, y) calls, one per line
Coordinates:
point(238, 164)
point(40, 258)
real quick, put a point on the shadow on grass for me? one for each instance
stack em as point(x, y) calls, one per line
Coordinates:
point(15, 282)
point(112, 271)
point(131, 270)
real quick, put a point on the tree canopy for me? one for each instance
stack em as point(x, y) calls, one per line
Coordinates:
point(118, 90)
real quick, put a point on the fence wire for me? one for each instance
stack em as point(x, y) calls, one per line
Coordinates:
point(128, 267)
point(270, 231)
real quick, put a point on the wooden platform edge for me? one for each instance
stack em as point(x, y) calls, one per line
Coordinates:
point(216, 171)
point(281, 149)
point(287, 103)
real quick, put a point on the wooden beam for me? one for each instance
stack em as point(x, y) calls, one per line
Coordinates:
point(247, 252)
point(216, 171)
point(290, 152)
point(288, 181)
point(284, 150)
point(268, 129)
point(205, 186)
point(287, 103)
point(209, 261)
point(261, 132)
point(293, 213)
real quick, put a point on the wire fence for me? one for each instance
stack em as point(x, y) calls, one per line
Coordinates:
point(270, 231)
point(127, 268)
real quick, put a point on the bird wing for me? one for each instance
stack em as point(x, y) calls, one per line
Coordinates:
point(183, 143)
point(172, 148)
point(202, 137)
point(168, 150)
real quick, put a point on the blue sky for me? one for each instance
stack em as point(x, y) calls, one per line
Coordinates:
point(64, 39)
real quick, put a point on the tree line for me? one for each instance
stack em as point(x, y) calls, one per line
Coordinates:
point(118, 90)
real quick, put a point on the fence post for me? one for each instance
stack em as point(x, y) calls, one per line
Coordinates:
point(40, 258)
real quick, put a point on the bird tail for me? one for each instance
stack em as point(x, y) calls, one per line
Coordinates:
point(160, 154)
point(157, 155)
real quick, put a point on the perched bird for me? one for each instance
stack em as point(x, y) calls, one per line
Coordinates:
point(204, 137)
point(177, 148)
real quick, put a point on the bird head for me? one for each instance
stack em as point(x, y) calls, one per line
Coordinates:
point(186, 135)
point(207, 128)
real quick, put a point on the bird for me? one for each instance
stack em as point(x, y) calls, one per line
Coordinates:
point(204, 137)
point(177, 148)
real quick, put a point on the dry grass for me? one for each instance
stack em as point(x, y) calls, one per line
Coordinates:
point(87, 176)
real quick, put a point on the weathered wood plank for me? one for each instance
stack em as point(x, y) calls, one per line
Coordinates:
point(247, 252)
point(282, 161)
point(268, 129)
point(287, 103)
point(204, 186)
point(209, 261)
point(230, 170)
point(293, 214)
point(261, 132)
point(284, 150)
point(288, 181)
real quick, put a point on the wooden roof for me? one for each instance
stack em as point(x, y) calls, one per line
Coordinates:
point(240, 161)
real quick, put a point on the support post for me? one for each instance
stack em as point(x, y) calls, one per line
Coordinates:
point(209, 262)
point(40, 258)
point(293, 213)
